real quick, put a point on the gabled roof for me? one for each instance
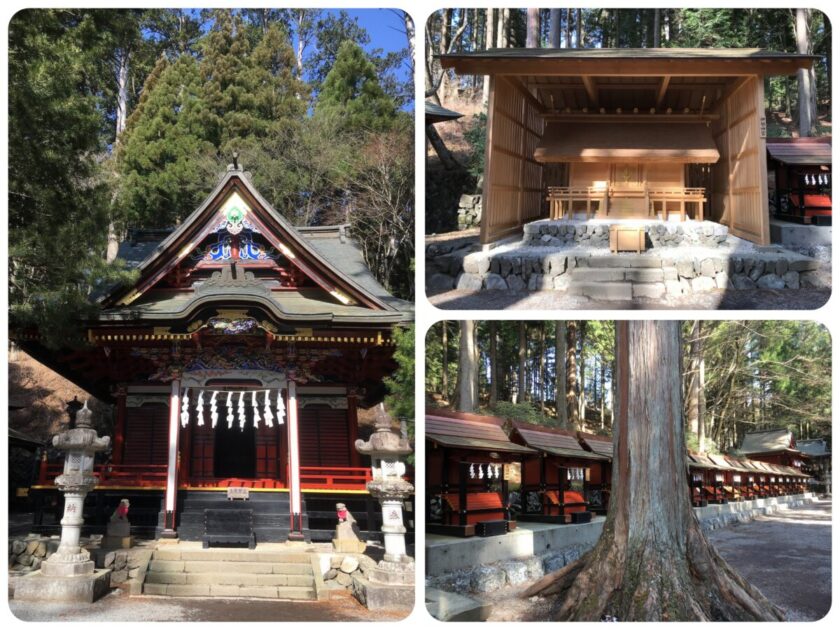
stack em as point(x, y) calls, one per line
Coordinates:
point(554, 441)
point(792, 151)
point(768, 441)
point(470, 431)
point(601, 444)
point(324, 254)
point(817, 447)
point(435, 113)
point(616, 61)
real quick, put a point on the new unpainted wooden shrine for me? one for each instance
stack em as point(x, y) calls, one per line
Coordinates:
point(626, 133)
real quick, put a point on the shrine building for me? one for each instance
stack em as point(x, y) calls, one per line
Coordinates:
point(237, 363)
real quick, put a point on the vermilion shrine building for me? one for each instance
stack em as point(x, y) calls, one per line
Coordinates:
point(238, 359)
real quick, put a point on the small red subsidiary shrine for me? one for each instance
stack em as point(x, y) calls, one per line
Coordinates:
point(238, 359)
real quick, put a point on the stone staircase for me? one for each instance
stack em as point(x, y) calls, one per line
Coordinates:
point(617, 277)
point(190, 571)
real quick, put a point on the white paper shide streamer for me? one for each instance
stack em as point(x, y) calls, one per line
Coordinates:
point(267, 415)
point(185, 408)
point(199, 411)
point(255, 409)
point(281, 408)
point(230, 409)
point(214, 412)
point(241, 410)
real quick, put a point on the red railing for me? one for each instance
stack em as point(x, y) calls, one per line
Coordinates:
point(154, 476)
point(331, 478)
point(112, 475)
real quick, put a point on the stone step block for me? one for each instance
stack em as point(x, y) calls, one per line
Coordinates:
point(169, 566)
point(197, 566)
point(649, 290)
point(153, 588)
point(644, 275)
point(620, 261)
point(602, 290)
point(250, 579)
point(162, 577)
point(188, 590)
point(587, 274)
point(245, 555)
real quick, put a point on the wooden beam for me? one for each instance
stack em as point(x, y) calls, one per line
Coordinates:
point(517, 83)
point(591, 90)
point(660, 93)
point(734, 86)
point(624, 67)
point(653, 118)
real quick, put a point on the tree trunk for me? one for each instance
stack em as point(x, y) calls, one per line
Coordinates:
point(522, 353)
point(122, 91)
point(571, 373)
point(542, 367)
point(555, 28)
point(582, 397)
point(488, 44)
point(701, 390)
point(494, 370)
point(467, 367)
point(444, 381)
point(603, 395)
point(446, 158)
point(807, 92)
point(443, 47)
point(692, 402)
point(652, 561)
point(579, 30)
point(560, 373)
point(657, 29)
point(506, 28)
point(532, 37)
point(568, 28)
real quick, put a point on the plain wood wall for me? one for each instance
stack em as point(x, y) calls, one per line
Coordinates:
point(513, 188)
point(739, 179)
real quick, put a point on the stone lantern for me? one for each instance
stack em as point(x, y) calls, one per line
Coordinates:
point(391, 583)
point(69, 575)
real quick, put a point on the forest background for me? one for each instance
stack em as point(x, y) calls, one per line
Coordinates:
point(737, 376)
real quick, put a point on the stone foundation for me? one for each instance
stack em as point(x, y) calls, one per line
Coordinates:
point(469, 212)
point(596, 233)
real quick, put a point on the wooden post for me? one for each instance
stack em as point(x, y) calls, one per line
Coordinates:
point(119, 427)
point(172, 460)
point(295, 504)
point(462, 493)
point(353, 426)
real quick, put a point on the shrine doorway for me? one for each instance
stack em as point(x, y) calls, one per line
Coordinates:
point(235, 451)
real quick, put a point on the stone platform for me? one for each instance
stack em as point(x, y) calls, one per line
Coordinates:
point(82, 589)
point(577, 260)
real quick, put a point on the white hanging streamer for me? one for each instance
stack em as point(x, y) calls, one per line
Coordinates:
point(281, 408)
point(230, 409)
point(241, 411)
point(214, 413)
point(185, 409)
point(472, 472)
point(199, 412)
point(256, 409)
point(480, 471)
point(269, 417)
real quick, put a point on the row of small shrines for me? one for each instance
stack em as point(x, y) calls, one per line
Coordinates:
point(484, 474)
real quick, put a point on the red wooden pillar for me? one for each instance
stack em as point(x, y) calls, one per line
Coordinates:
point(353, 426)
point(119, 427)
point(172, 460)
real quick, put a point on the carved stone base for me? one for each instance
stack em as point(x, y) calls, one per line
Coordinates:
point(57, 568)
point(349, 545)
point(83, 589)
point(377, 596)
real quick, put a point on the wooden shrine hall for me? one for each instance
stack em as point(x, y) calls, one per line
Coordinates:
point(236, 364)
point(626, 133)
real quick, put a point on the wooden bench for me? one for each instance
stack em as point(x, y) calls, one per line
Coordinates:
point(481, 506)
point(230, 526)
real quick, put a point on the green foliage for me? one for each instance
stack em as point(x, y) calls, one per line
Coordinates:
point(58, 197)
point(400, 399)
point(476, 137)
point(524, 412)
point(352, 92)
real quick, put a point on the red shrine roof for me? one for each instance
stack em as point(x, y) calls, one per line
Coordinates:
point(554, 441)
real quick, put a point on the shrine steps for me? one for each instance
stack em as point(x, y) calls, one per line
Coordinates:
point(270, 513)
point(226, 572)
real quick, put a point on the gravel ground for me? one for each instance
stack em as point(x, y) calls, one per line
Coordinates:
point(786, 555)
point(119, 607)
point(767, 299)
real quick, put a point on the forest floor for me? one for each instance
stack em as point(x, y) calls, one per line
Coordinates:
point(787, 555)
point(770, 299)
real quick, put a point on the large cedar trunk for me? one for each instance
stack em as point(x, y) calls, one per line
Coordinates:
point(467, 367)
point(571, 373)
point(560, 372)
point(652, 561)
